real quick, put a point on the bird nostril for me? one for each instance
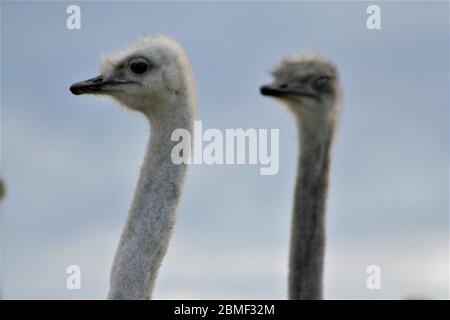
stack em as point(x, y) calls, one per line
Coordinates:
point(99, 79)
point(283, 86)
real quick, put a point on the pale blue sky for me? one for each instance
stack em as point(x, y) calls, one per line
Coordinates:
point(70, 163)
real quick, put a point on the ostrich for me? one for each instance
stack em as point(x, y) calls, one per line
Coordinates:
point(153, 77)
point(308, 85)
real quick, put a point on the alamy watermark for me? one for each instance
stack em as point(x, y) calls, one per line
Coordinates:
point(373, 21)
point(73, 21)
point(73, 281)
point(236, 146)
point(373, 281)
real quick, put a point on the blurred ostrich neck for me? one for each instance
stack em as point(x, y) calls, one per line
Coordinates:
point(151, 218)
point(308, 224)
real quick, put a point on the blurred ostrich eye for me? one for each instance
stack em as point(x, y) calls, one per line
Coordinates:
point(321, 82)
point(139, 66)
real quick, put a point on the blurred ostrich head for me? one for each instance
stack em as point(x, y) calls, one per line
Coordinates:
point(307, 84)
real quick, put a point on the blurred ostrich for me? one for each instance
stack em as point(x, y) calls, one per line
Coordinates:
point(309, 87)
point(2, 189)
point(153, 77)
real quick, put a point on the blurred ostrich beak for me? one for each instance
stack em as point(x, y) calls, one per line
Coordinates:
point(283, 89)
point(275, 90)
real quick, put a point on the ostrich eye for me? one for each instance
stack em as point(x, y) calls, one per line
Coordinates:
point(139, 66)
point(321, 82)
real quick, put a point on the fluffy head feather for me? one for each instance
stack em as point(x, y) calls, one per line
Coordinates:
point(150, 75)
point(308, 85)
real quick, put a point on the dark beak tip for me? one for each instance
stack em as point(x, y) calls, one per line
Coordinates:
point(73, 88)
point(264, 90)
point(269, 90)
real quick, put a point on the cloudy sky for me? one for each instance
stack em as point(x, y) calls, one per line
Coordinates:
point(70, 163)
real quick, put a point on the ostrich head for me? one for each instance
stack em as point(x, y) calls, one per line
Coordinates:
point(150, 76)
point(308, 85)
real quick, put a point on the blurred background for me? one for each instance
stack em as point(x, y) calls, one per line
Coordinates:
point(70, 163)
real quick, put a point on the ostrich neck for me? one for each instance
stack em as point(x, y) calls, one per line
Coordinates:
point(152, 215)
point(308, 221)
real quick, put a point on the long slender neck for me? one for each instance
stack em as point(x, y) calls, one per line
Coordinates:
point(152, 215)
point(308, 221)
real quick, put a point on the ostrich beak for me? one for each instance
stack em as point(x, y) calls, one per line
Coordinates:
point(285, 90)
point(88, 86)
point(274, 90)
point(94, 85)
